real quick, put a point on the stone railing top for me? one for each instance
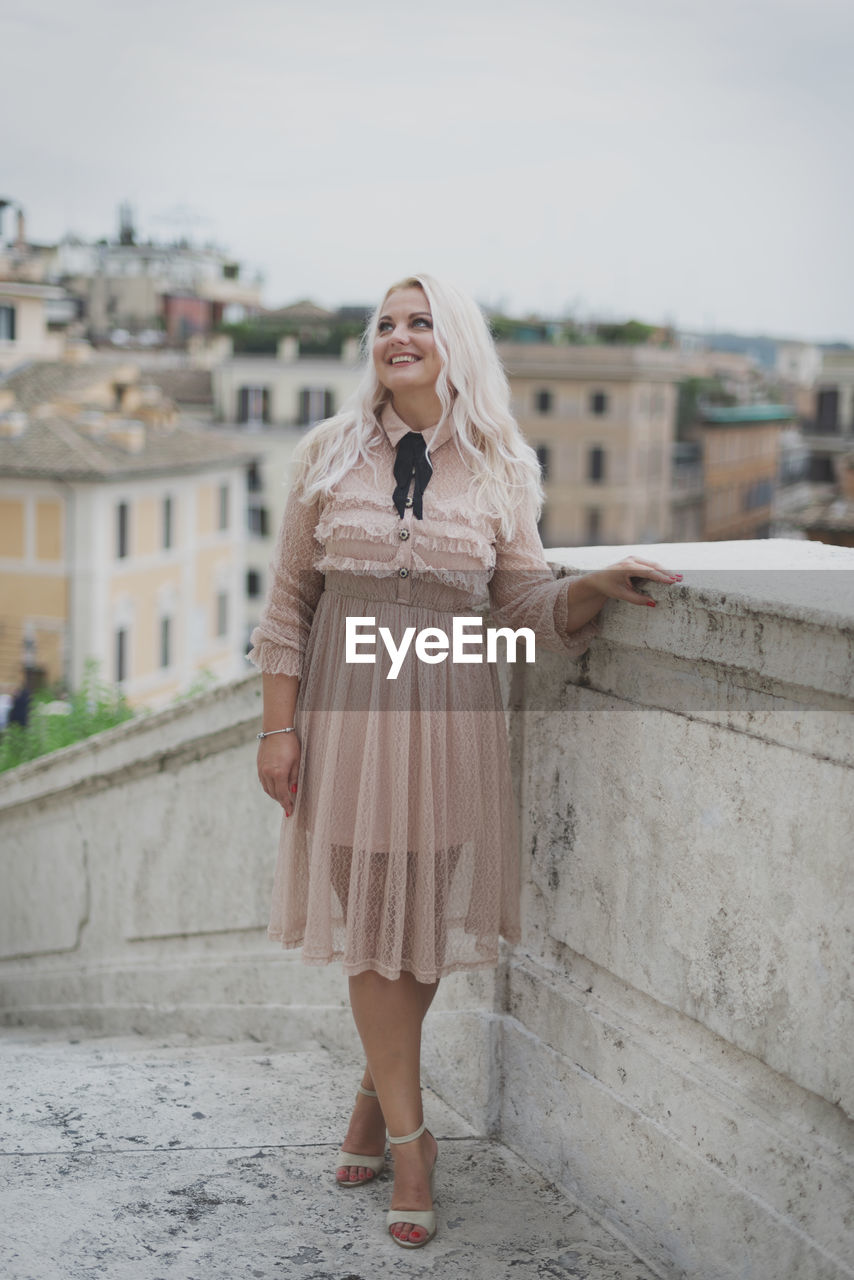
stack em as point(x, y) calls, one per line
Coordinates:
point(808, 582)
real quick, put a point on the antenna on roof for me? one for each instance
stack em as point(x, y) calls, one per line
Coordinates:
point(127, 233)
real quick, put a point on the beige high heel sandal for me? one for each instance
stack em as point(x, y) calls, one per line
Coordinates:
point(425, 1218)
point(351, 1158)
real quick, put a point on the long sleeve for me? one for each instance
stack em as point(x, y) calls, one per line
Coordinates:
point(524, 592)
point(279, 640)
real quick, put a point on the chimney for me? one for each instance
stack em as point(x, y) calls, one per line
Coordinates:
point(20, 229)
point(289, 349)
point(13, 424)
point(128, 434)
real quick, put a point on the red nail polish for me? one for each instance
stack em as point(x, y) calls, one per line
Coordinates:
point(651, 603)
point(293, 789)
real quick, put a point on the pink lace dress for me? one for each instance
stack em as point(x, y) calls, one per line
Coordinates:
point(402, 851)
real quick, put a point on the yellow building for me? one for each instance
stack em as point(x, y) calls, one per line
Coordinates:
point(741, 469)
point(603, 421)
point(24, 332)
point(122, 534)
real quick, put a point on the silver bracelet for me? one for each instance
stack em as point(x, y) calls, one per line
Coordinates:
point(270, 732)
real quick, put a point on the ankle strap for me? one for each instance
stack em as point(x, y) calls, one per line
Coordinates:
point(369, 1093)
point(410, 1137)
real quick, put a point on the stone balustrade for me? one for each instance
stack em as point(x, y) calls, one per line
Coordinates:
point(672, 1041)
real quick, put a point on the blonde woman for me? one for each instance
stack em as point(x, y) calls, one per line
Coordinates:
point(398, 853)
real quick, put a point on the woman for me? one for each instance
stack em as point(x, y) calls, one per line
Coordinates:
point(398, 852)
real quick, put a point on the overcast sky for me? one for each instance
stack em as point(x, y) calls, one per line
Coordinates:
point(674, 160)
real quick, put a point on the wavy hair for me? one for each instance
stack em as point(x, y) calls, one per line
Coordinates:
point(474, 393)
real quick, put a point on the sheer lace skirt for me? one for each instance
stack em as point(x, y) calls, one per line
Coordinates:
point(401, 853)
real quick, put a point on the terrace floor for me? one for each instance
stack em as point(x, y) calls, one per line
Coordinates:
point(147, 1158)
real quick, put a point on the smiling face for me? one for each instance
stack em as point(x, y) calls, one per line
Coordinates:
point(405, 354)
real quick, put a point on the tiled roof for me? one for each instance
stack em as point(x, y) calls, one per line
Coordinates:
point(184, 386)
point(835, 514)
point(44, 380)
point(52, 447)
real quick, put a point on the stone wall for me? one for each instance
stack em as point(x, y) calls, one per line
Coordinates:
point(672, 1041)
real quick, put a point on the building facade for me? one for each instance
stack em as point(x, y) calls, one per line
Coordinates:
point(829, 426)
point(122, 539)
point(24, 331)
point(741, 450)
point(602, 420)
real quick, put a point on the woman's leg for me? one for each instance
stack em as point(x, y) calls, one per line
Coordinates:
point(389, 1016)
point(366, 1133)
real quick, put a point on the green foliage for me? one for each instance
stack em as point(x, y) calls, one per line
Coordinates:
point(695, 392)
point(260, 337)
point(203, 680)
point(633, 331)
point(95, 706)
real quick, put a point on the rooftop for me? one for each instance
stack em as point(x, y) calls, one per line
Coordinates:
point(544, 359)
point(43, 381)
point(59, 447)
point(722, 415)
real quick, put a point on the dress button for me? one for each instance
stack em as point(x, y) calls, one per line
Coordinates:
point(403, 535)
point(408, 502)
point(404, 573)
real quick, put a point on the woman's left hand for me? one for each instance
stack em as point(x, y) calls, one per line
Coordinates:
point(618, 581)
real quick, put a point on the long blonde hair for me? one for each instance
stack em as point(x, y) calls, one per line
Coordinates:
point(474, 393)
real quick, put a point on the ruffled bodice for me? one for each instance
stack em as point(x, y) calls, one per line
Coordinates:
point(455, 559)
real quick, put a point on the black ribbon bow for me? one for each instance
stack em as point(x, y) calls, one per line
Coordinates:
point(411, 461)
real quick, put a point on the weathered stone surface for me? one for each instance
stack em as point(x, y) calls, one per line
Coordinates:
point(139, 1159)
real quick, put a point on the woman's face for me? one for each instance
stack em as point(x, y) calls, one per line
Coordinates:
point(405, 355)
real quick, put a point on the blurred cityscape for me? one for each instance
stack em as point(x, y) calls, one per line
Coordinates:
point(150, 405)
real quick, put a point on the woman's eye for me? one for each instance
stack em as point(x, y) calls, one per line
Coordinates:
point(383, 326)
point(423, 321)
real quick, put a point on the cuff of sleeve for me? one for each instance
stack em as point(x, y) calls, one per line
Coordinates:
point(578, 642)
point(274, 659)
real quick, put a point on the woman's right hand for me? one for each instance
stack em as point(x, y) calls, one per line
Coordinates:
point(278, 768)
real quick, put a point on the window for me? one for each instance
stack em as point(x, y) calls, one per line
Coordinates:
point(827, 409)
point(596, 464)
point(253, 584)
point(122, 531)
point(543, 401)
point(254, 482)
point(758, 494)
point(166, 530)
point(7, 324)
point(222, 613)
point(315, 403)
point(165, 642)
point(594, 525)
point(544, 458)
point(253, 405)
point(598, 402)
point(259, 522)
point(222, 514)
point(121, 653)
